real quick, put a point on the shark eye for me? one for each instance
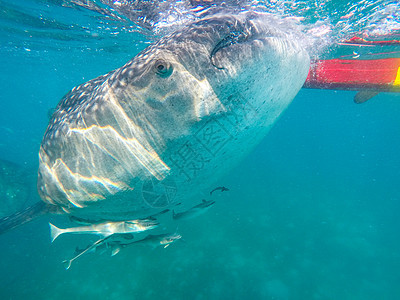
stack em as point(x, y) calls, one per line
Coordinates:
point(162, 68)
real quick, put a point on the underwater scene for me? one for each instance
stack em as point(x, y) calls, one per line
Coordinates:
point(217, 176)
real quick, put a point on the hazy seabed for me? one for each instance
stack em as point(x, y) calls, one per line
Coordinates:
point(312, 213)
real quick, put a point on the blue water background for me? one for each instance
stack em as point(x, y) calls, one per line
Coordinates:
point(312, 213)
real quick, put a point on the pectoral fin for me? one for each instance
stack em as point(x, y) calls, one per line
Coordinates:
point(26, 215)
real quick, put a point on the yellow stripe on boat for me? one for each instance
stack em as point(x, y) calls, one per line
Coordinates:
point(397, 80)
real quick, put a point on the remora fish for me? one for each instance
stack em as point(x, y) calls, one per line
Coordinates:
point(164, 240)
point(170, 122)
point(151, 240)
point(67, 263)
point(106, 229)
point(154, 241)
point(220, 188)
point(194, 211)
point(106, 243)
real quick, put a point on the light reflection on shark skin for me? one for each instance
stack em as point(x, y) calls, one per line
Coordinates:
point(174, 119)
point(126, 147)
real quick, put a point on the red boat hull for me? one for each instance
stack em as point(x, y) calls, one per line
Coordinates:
point(381, 75)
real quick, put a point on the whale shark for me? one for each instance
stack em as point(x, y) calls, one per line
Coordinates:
point(170, 122)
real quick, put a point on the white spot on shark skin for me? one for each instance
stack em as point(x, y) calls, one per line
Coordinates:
point(94, 106)
point(122, 82)
point(124, 71)
point(57, 134)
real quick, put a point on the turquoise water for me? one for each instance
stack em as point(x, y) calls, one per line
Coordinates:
point(312, 212)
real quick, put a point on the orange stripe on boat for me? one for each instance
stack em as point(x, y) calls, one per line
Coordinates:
point(360, 41)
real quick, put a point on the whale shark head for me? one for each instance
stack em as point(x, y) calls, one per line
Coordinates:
point(173, 119)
